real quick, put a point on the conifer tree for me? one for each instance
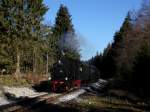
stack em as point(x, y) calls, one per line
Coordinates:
point(63, 22)
point(64, 34)
point(115, 54)
point(120, 43)
point(20, 23)
point(141, 70)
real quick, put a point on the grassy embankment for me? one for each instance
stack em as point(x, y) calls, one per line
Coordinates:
point(94, 103)
point(28, 80)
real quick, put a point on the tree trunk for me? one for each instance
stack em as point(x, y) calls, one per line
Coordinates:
point(47, 64)
point(17, 73)
point(34, 62)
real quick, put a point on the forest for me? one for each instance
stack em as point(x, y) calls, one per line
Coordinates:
point(29, 46)
point(126, 59)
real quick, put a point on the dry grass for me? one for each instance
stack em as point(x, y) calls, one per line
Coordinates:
point(98, 102)
point(9, 80)
point(26, 80)
point(35, 78)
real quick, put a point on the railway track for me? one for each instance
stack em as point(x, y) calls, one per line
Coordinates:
point(27, 103)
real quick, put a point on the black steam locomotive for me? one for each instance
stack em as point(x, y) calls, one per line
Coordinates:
point(68, 73)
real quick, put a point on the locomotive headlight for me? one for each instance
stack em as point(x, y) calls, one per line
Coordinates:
point(59, 61)
point(66, 78)
point(49, 78)
point(80, 69)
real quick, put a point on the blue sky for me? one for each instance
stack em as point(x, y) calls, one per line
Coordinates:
point(95, 21)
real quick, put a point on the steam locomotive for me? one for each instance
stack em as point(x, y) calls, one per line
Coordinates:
point(68, 73)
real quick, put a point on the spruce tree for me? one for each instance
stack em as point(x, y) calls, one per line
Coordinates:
point(120, 43)
point(141, 71)
point(64, 34)
point(6, 53)
point(20, 23)
point(113, 55)
point(63, 22)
